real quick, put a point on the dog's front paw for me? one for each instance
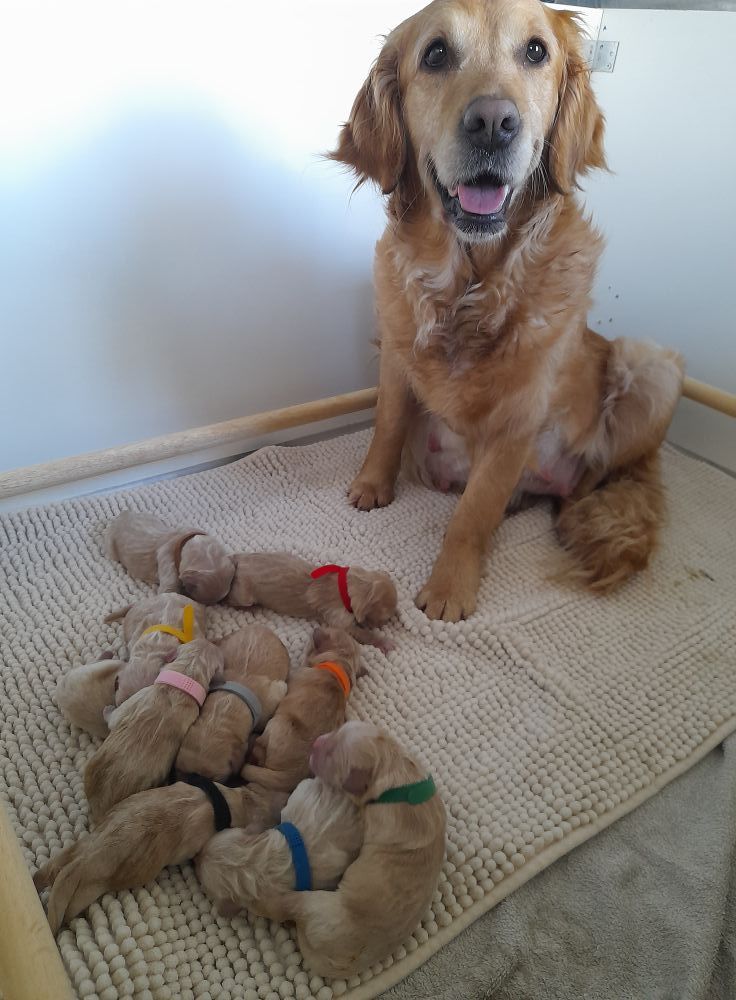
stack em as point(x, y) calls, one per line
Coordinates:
point(365, 494)
point(447, 597)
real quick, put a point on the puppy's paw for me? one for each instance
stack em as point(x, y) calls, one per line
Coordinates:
point(446, 598)
point(274, 695)
point(380, 643)
point(44, 877)
point(365, 494)
point(384, 646)
point(227, 908)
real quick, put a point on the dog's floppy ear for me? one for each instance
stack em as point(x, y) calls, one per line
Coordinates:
point(358, 781)
point(168, 557)
point(363, 596)
point(576, 140)
point(372, 141)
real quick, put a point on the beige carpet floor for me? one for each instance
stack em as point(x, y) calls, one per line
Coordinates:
point(543, 718)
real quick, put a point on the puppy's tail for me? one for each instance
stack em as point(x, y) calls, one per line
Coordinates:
point(611, 533)
point(116, 615)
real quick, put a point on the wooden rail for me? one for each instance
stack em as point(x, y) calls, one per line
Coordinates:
point(709, 395)
point(30, 965)
point(97, 463)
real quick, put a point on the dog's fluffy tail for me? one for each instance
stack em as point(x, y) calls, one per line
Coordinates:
point(611, 533)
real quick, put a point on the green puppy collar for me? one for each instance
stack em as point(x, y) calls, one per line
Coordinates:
point(414, 794)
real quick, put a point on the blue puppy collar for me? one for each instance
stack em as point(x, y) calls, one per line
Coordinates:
point(250, 698)
point(299, 858)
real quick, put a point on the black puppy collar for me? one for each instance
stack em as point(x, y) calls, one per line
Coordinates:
point(221, 809)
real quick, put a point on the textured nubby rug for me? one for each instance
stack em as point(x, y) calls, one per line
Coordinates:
point(543, 718)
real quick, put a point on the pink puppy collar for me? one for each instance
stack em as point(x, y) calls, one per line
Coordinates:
point(186, 684)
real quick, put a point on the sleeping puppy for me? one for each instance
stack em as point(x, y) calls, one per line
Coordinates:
point(314, 704)
point(149, 646)
point(85, 692)
point(357, 600)
point(147, 730)
point(136, 840)
point(256, 665)
point(387, 890)
point(477, 122)
point(174, 558)
point(241, 870)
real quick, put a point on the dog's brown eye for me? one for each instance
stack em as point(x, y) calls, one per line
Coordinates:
point(436, 54)
point(535, 51)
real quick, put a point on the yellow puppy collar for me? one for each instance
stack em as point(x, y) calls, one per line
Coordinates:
point(183, 634)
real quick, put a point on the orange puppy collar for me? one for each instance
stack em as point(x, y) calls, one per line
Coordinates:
point(338, 672)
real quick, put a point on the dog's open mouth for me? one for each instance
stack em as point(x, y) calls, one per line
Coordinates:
point(477, 206)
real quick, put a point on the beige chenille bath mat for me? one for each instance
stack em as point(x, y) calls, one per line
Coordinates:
point(543, 718)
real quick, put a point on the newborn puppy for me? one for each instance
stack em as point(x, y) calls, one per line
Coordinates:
point(177, 559)
point(150, 647)
point(84, 693)
point(347, 597)
point(385, 893)
point(256, 665)
point(147, 730)
point(240, 870)
point(314, 704)
point(135, 841)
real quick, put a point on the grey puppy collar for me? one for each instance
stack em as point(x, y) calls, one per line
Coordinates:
point(248, 697)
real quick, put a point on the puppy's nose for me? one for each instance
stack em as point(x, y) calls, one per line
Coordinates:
point(491, 122)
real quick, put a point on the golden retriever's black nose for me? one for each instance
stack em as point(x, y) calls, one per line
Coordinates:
point(491, 122)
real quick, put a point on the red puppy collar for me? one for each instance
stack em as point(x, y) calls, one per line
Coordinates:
point(342, 581)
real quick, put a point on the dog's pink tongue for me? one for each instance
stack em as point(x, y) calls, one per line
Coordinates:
point(481, 199)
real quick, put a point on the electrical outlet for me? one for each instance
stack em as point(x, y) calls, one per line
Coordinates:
point(589, 51)
point(603, 57)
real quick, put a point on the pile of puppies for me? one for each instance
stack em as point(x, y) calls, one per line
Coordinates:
point(208, 749)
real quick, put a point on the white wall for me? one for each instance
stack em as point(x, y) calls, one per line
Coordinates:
point(173, 252)
point(669, 208)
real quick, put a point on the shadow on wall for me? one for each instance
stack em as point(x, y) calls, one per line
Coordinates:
point(171, 271)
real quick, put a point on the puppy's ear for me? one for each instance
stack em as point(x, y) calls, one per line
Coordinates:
point(366, 597)
point(576, 139)
point(357, 781)
point(372, 142)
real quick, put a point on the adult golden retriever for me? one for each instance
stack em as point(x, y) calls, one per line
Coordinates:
point(476, 120)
